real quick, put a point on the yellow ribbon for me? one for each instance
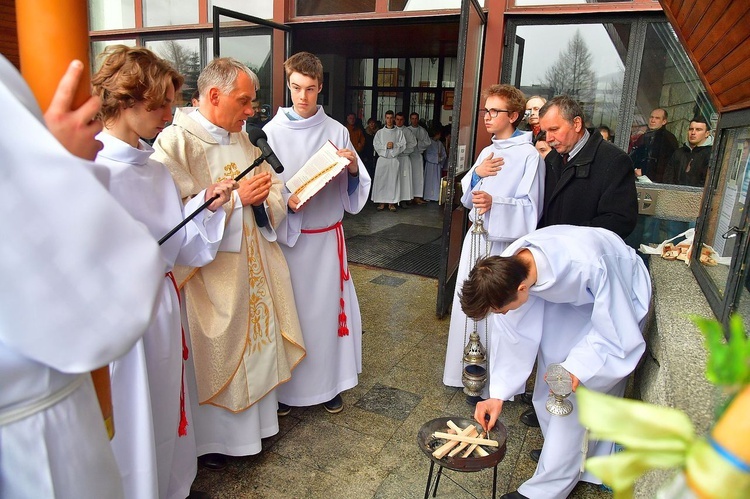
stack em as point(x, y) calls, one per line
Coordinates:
point(654, 437)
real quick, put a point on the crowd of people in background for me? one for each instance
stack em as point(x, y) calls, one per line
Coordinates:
point(422, 159)
point(249, 310)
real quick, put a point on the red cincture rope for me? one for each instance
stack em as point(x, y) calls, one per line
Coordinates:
point(343, 269)
point(182, 428)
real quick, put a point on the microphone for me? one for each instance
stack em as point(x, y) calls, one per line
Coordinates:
point(260, 140)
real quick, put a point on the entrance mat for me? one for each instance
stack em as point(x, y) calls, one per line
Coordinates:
point(376, 251)
point(424, 260)
point(410, 258)
point(411, 233)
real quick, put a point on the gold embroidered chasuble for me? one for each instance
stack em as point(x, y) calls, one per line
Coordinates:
point(244, 330)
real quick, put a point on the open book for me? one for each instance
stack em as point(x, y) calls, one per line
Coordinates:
point(320, 169)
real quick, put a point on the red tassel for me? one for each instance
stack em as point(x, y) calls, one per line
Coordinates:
point(343, 270)
point(343, 330)
point(182, 427)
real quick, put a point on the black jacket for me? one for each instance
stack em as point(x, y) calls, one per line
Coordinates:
point(697, 158)
point(596, 189)
point(652, 151)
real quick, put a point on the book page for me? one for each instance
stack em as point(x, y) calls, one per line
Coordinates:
point(320, 169)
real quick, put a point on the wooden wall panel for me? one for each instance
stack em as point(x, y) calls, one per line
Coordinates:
point(708, 20)
point(693, 18)
point(8, 34)
point(724, 49)
point(719, 31)
point(716, 36)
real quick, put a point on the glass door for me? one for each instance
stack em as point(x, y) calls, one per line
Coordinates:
point(461, 153)
point(254, 42)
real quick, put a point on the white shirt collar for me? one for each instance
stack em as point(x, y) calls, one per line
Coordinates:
point(219, 134)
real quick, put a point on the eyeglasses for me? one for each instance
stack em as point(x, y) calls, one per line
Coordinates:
point(492, 112)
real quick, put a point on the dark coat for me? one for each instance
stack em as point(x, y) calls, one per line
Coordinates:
point(652, 151)
point(697, 158)
point(596, 189)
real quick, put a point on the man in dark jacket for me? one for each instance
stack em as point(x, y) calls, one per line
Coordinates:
point(589, 181)
point(689, 164)
point(652, 150)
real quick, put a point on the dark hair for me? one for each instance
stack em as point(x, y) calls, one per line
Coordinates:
point(400, 114)
point(541, 136)
point(492, 284)
point(701, 119)
point(569, 108)
point(306, 64)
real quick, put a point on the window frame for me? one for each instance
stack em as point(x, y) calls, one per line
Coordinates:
point(724, 306)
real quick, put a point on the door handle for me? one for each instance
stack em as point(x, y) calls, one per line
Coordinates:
point(733, 231)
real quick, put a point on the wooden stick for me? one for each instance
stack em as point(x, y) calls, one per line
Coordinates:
point(462, 438)
point(441, 451)
point(480, 451)
point(463, 445)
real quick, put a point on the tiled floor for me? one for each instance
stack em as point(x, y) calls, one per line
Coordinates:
point(370, 450)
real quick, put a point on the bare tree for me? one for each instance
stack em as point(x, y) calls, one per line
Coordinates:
point(571, 74)
point(184, 60)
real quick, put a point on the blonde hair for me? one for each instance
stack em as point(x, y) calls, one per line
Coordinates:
point(515, 100)
point(130, 75)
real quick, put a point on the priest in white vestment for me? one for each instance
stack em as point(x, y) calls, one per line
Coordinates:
point(389, 143)
point(417, 160)
point(312, 238)
point(80, 278)
point(242, 318)
point(404, 161)
point(577, 296)
point(153, 445)
point(505, 187)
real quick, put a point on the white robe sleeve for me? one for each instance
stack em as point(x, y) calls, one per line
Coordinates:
point(80, 276)
point(355, 201)
point(424, 140)
point(203, 233)
point(515, 339)
point(512, 217)
point(466, 180)
point(232, 240)
point(411, 141)
point(614, 345)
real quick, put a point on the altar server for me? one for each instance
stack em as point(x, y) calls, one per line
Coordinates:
point(312, 239)
point(504, 188)
point(80, 278)
point(153, 446)
point(389, 143)
point(577, 296)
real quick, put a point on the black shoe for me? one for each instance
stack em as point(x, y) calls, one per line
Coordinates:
point(213, 462)
point(513, 495)
point(527, 397)
point(335, 405)
point(198, 494)
point(534, 455)
point(529, 418)
point(473, 401)
point(283, 410)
